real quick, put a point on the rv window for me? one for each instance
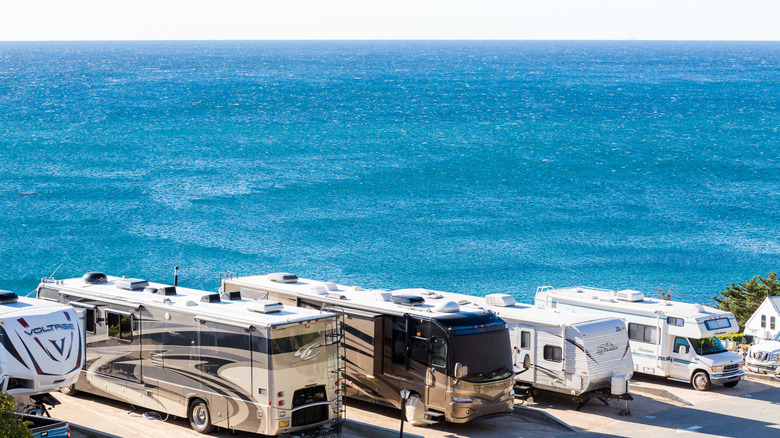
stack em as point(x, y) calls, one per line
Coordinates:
point(291, 344)
point(553, 354)
point(671, 320)
point(772, 323)
point(763, 321)
point(714, 324)
point(525, 340)
point(642, 333)
point(119, 326)
point(438, 353)
point(48, 294)
point(399, 347)
point(419, 349)
point(89, 321)
point(681, 342)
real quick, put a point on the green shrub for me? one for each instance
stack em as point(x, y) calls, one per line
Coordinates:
point(10, 425)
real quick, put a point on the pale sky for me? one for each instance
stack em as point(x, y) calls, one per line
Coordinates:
point(53, 20)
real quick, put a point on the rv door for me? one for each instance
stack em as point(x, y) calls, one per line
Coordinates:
point(524, 354)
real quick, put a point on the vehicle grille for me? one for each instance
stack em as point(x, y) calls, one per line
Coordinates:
point(732, 367)
point(312, 414)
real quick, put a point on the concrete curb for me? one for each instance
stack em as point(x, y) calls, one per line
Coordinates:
point(545, 417)
point(374, 431)
point(661, 393)
point(764, 377)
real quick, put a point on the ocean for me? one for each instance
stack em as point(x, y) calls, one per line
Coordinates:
point(468, 166)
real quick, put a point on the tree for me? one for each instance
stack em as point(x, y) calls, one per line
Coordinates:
point(10, 425)
point(743, 299)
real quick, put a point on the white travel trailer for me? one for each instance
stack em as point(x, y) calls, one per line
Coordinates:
point(218, 360)
point(41, 346)
point(454, 363)
point(565, 351)
point(668, 338)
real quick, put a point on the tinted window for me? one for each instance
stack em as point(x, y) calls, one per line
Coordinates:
point(89, 320)
point(438, 353)
point(642, 333)
point(525, 340)
point(714, 324)
point(553, 354)
point(119, 326)
point(681, 342)
point(671, 320)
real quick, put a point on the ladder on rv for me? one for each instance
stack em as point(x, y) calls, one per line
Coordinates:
point(336, 335)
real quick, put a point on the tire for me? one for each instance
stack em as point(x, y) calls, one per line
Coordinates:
point(701, 381)
point(69, 390)
point(414, 410)
point(731, 384)
point(199, 416)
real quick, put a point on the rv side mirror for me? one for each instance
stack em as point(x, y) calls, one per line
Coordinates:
point(682, 349)
point(460, 370)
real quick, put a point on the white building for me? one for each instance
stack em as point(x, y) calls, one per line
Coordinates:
point(765, 322)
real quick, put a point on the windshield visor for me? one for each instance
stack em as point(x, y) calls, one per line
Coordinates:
point(707, 346)
point(486, 356)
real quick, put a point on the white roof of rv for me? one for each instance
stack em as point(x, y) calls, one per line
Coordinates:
point(29, 306)
point(189, 301)
point(608, 299)
point(434, 303)
point(528, 312)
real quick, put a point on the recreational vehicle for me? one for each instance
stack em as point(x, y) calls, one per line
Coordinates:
point(41, 347)
point(454, 363)
point(218, 360)
point(575, 353)
point(668, 338)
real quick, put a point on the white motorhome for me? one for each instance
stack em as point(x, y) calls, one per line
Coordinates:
point(41, 346)
point(455, 363)
point(218, 360)
point(668, 338)
point(558, 350)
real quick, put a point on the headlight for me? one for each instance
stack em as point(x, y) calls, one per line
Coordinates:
point(714, 369)
point(774, 357)
point(462, 399)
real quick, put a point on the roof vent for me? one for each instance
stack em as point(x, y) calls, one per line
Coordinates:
point(501, 300)
point(319, 289)
point(94, 278)
point(8, 297)
point(210, 298)
point(264, 306)
point(407, 300)
point(131, 283)
point(283, 277)
point(630, 295)
point(447, 307)
point(382, 296)
point(166, 290)
point(330, 285)
point(232, 296)
point(337, 296)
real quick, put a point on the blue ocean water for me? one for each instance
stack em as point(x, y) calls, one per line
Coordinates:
point(475, 167)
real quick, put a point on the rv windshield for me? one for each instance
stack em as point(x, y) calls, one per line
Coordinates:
point(707, 346)
point(486, 356)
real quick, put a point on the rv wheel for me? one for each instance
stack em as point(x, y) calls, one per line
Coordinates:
point(415, 410)
point(69, 390)
point(200, 418)
point(701, 381)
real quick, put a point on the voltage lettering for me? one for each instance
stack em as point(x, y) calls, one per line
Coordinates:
point(49, 328)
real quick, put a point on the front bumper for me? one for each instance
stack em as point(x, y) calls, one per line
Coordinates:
point(725, 378)
point(762, 366)
point(464, 412)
